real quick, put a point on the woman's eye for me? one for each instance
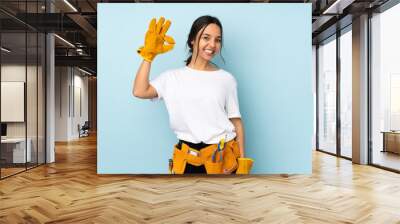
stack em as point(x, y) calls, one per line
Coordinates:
point(206, 38)
point(218, 40)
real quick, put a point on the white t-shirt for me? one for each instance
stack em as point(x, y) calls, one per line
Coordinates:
point(199, 103)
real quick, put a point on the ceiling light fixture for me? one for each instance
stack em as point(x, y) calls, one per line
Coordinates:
point(337, 7)
point(84, 71)
point(5, 50)
point(64, 40)
point(70, 5)
point(79, 51)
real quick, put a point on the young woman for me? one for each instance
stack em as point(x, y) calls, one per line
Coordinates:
point(201, 98)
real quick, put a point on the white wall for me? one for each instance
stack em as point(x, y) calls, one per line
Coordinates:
point(62, 81)
point(80, 83)
point(314, 85)
point(70, 84)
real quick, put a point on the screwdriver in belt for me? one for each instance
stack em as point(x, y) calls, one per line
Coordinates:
point(221, 146)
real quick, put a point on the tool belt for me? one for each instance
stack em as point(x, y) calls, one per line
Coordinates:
point(215, 161)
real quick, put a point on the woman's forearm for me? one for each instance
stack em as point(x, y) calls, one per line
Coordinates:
point(141, 83)
point(237, 122)
point(240, 139)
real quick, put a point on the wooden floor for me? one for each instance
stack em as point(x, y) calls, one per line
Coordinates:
point(70, 191)
point(5, 172)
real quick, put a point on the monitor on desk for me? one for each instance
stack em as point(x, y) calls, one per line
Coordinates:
point(3, 130)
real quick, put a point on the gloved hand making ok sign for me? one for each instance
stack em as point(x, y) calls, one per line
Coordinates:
point(155, 40)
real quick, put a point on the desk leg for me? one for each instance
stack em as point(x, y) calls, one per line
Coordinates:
point(384, 142)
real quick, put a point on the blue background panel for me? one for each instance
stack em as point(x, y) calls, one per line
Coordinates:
point(267, 47)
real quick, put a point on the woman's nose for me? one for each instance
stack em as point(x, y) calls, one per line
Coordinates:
point(212, 43)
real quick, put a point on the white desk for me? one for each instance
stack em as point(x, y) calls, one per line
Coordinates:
point(18, 150)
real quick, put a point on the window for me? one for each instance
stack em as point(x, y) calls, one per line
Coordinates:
point(346, 93)
point(385, 82)
point(327, 96)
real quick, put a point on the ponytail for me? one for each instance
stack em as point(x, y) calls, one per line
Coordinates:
point(188, 60)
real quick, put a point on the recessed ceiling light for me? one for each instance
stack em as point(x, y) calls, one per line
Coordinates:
point(70, 5)
point(5, 50)
point(337, 7)
point(64, 40)
point(84, 71)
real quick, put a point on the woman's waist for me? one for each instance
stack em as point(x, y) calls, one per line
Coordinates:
point(192, 145)
point(204, 140)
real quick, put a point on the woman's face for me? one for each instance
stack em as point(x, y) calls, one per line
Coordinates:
point(209, 43)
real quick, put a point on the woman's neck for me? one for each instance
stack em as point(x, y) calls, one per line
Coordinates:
point(203, 65)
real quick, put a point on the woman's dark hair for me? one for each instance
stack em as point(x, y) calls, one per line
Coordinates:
point(197, 26)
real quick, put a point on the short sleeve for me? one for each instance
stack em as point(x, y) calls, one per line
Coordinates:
point(160, 85)
point(232, 102)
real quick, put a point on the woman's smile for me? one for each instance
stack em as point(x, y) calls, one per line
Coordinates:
point(209, 53)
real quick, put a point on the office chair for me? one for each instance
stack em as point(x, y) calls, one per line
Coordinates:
point(84, 130)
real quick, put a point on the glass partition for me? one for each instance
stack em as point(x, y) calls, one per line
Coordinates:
point(385, 81)
point(13, 109)
point(327, 96)
point(22, 77)
point(346, 93)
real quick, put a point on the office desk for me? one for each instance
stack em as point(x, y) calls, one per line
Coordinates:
point(391, 141)
point(15, 148)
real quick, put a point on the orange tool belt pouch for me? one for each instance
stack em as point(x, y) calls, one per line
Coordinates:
point(214, 161)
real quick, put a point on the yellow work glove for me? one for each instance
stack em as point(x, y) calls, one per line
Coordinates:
point(155, 39)
point(245, 165)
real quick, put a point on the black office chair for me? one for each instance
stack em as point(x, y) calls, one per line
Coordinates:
point(84, 130)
